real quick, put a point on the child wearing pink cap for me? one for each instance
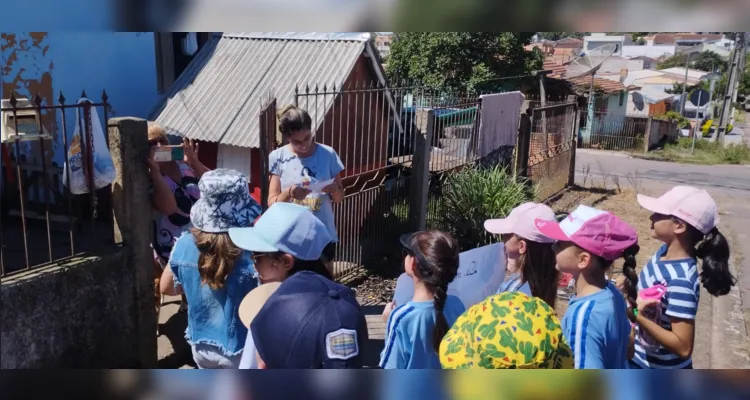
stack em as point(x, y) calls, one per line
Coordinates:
point(529, 254)
point(596, 323)
point(685, 219)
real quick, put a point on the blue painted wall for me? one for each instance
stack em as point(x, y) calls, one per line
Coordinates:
point(122, 63)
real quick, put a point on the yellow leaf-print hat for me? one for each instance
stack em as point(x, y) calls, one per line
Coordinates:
point(507, 330)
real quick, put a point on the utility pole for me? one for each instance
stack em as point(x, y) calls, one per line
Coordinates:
point(741, 69)
point(734, 72)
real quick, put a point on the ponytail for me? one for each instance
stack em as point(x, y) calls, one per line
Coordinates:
point(441, 324)
point(217, 256)
point(439, 251)
point(715, 274)
point(631, 278)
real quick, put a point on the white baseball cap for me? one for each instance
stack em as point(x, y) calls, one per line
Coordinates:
point(520, 221)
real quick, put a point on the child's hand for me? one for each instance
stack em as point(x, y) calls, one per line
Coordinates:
point(388, 310)
point(620, 283)
point(643, 303)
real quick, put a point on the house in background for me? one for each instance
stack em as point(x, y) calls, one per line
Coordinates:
point(610, 99)
point(383, 44)
point(217, 100)
point(600, 39)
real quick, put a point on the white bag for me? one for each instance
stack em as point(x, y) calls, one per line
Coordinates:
point(104, 167)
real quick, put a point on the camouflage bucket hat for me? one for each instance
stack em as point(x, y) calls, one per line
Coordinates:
point(508, 330)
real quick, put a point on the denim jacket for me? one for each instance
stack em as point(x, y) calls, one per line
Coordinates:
point(212, 314)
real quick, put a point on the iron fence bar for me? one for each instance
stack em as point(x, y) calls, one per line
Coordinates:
point(19, 160)
point(50, 107)
point(368, 133)
point(38, 101)
point(66, 166)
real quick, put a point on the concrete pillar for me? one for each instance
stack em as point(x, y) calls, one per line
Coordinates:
point(128, 144)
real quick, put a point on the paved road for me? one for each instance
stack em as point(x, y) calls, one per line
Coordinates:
point(730, 186)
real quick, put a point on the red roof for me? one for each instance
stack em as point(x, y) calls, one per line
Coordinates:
point(569, 43)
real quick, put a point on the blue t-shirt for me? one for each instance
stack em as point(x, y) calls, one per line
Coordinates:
point(514, 283)
point(598, 330)
point(408, 340)
point(682, 280)
point(324, 164)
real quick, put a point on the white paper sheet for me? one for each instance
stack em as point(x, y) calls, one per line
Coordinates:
point(317, 187)
point(480, 273)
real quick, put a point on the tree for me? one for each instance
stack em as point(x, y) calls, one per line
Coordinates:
point(704, 62)
point(462, 60)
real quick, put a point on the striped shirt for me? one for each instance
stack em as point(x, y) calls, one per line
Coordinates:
point(598, 330)
point(514, 283)
point(682, 280)
point(408, 334)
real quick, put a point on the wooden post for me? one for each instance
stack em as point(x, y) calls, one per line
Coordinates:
point(267, 145)
point(543, 101)
point(574, 143)
point(524, 143)
point(647, 135)
point(420, 179)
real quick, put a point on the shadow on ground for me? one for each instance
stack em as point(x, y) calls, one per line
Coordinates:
point(174, 330)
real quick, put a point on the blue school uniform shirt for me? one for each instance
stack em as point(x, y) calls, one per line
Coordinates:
point(324, 164)
point(515, 284)
point(408, 341)
point(682, 279)
point(598, 330)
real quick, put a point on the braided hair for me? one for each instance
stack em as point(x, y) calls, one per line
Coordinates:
point(440, 250)
point(631, 278)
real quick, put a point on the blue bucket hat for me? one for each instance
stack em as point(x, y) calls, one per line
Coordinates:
point(225, 202)
point(286, 228)
point(310, 322)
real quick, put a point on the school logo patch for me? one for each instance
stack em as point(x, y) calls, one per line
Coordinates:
point(342, 344)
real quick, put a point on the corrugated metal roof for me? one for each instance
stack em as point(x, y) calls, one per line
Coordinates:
point(218, 97)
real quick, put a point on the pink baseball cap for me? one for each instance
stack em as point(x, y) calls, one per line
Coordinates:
point(596, 231)
point(692, 205)
point(520, 221)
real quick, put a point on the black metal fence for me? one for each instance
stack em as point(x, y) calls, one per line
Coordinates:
point(41, 221)
point(552, 147)
point(399, 145)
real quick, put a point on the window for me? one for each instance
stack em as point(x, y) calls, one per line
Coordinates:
point(622, 98)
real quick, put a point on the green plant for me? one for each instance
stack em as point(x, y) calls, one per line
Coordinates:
point(736, 153)
point(682, 122)
point(476, 194)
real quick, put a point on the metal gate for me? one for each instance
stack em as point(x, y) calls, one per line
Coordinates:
point(552, 144)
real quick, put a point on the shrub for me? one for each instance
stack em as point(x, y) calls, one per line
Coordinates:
point(475, 194)
point(736, 153)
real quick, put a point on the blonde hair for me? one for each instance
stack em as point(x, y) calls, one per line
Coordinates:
point(217, 257)
point(155, 131)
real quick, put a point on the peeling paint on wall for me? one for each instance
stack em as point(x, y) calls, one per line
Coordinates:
point(27, 71)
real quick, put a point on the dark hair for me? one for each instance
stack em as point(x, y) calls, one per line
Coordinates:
point(713, 249)
point(631, 278)
point(628, 269)
point(217, 255)
point(440, 251)
point(293, 119)
point(317, 266)
point(537, 267)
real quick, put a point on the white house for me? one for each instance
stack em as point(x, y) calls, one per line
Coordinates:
point(600, 39)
